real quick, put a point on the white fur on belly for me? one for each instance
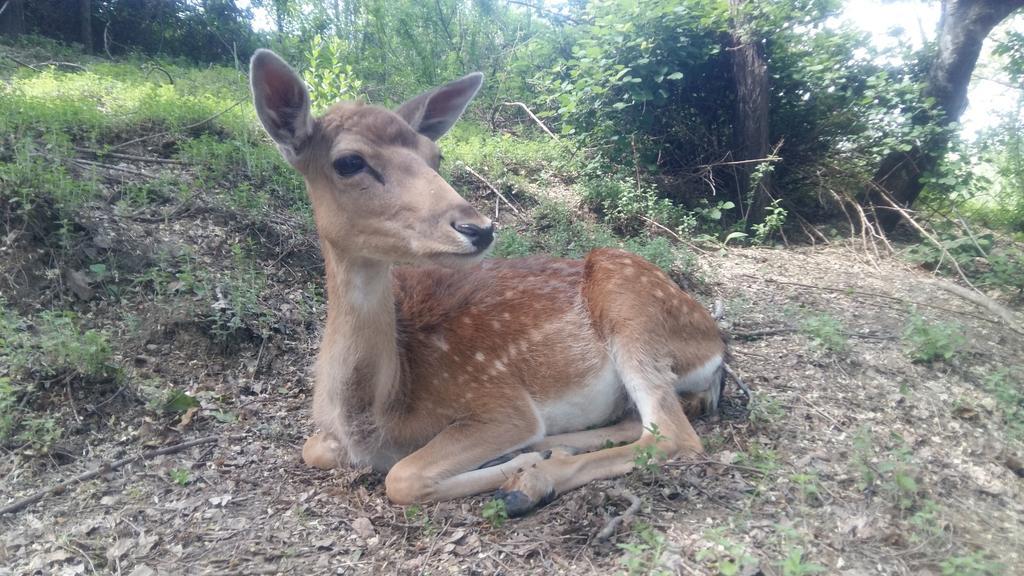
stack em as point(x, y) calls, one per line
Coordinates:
point(700, 379)
point(596, 403)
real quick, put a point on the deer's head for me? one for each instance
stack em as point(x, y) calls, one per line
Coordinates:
point(371, 172)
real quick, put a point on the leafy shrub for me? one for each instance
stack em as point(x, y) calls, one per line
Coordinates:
point(826, 332)
point(927, 341)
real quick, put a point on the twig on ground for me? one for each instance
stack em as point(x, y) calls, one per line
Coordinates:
point(492, 188)
point(92, 163)
point(982, 300)
point(534, 117)
point(25, 64)
point(612, 525)
point(60, 65)
point(885, 297)
point(739, 382)
point(107, 467)
point(122, 156)
point(189, 127)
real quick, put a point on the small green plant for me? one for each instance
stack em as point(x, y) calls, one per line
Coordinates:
point(794, 564)
point(761, 457)
point(825, 332)
point(495, 512)
point(65, 347)
point(1006, 386)
point(181, 476)
point(40, 432)
point(767, 410)
point(775, 217)
point(725, 556)
point(643, 556)
point(973, 564)
point(808, 485)
point(930, 341)
point(648, 458)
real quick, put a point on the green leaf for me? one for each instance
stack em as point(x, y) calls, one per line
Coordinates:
point(179, 401)
point(675, 76)
point(734, 236)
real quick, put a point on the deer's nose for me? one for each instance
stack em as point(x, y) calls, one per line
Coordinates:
point(480, 237)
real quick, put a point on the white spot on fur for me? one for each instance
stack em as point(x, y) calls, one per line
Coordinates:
point(479, 357)
point(440, 342)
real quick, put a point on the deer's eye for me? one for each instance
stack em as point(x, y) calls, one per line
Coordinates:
point(349, 165)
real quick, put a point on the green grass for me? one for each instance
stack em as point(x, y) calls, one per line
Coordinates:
point(927, 342)
point(825, 332)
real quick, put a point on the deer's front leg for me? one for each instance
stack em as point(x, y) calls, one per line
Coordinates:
point(449, 465)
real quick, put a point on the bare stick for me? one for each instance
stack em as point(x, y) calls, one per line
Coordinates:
point(132, 157)
point(884, 296)
point(739, 382)
point(132, 171)
point(989, 304)
point(153, 67)
point(16, 61)
point(107, 467)
point(493, 189)
point(669, 231)
point(190, 126)
point(614, 523)
point(60, 65)
point(534, 116)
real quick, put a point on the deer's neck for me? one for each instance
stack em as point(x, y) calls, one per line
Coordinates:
point(358, 370)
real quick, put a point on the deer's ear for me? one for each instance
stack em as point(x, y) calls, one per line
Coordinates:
point(282, 102)
point(435, 111)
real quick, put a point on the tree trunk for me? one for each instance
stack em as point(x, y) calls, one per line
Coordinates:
point(962, 30)
point(12, 19)
point(85, 14)
point(750, 127)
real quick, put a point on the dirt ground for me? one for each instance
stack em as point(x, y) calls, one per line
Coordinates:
point(850, 461)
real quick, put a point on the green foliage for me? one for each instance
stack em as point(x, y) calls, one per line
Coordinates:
point(648, 458)
point(327, 75)
point(930, 341)
point(726, 556)
point(495, 512)
point(973, 564)
point(775, 217)
point(181, 476)
point(1007, 387)
point(237, 302)
point(825, 332)
point(794, 564)
point(643, 555)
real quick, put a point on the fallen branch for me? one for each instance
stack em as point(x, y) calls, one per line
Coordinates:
point(26, 65)
point(975, 297)
point(60, 65)
point(82, 161)
point(492, 188)
point(850, 292)
point(534, 117)
point(132, 157)
point(107, 467)
point(189, 127)
point(677, 237)
point(153, 67)
point(614, 523)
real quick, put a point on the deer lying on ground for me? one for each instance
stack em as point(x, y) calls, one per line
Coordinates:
point(436, 372)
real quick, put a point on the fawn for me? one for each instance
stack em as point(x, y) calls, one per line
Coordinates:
point(439, 372)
